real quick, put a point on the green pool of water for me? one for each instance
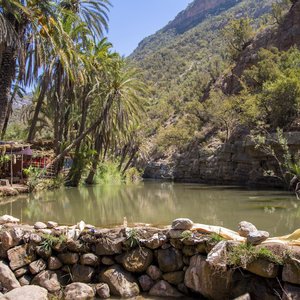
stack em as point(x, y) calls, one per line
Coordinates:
point(158, 203)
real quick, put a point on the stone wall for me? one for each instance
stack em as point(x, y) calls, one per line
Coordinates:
point(237, 162)
point(184, 260)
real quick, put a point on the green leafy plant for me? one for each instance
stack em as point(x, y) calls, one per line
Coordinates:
point(187, 234)
point(133, 238)
point(50, 240)
point(244, 254)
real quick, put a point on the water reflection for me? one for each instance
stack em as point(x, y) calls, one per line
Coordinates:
point(159, 203)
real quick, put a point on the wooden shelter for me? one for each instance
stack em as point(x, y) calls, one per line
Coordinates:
point(20, 156)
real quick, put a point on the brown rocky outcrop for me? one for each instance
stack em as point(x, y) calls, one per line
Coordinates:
point(197, 11)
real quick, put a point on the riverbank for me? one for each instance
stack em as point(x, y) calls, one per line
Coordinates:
point(182, 260)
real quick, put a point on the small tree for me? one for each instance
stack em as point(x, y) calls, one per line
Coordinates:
point(276, 146)
point(238, 34)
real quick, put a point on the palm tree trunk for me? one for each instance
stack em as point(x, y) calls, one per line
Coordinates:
point(38, 108)
point(91, 129)
point(96, 157)
point(7, 74)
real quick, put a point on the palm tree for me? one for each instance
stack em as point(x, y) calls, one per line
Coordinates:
point(24, 31)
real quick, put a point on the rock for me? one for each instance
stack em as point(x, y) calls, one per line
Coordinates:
point(182, 288)
point(202, 278)
point(257, 237)
point(189, 250)
point(11, 238)
point(20, 256)
point(243, 297)
point(107, 261)
point(89, 259)
point(109, 247)
point(169, 260)
point(8, 219)
point(176, 243)
point(291, 272)
point(291, 292)
point(82, 273)
point(175, 234)
point(164, 289)
point(120, 282)
point(182, 224)
point(48, 280)
point(78, 291)
point(155, 242)
point(54, 263)
point(25, 280)
point(102, 290)
point(43, 252)
point(8, 279)
point(154, 272)
point(136, 260)
point(37, 266)
point(263, 268)
point(30, 292)
point(51, 224)
point(174, 278)
point(77, 246)
point(146, 283)
point(217, 257)
point(20, 272)
point(45, 231)
point(39, 225)
point(35, 238)
point(7, 241)
point(68, 258)
point(245, 228)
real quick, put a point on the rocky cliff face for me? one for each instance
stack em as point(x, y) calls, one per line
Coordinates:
point(197, 11)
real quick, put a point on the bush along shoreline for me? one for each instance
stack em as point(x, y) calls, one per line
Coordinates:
point(48, 261)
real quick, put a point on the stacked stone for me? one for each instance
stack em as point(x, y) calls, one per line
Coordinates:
point(173, 262)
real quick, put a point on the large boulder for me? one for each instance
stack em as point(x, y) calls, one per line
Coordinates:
point(20, 256)
point(146, 282)
point(136, 260)
point(120, 282)
point(48, 280)
point(103, 291)
point(82, 273)
point(37, 266)
point(174, 278)
point(69, 258)
point(154, 272)
point(202, 278)
point(182, 224)
point(257, 237)
point(154, 242)
point(291, 272)
point(169, 260)
point(8, 279)
point(263, 268)
point(164, 289)
point(28, 292)
point(109, 247)
point(245, 228)
point(79, 291)
point(89, 259)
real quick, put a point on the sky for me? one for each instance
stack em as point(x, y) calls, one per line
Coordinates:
point(132, 20)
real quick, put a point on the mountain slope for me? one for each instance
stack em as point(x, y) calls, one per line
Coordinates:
point(189, 43)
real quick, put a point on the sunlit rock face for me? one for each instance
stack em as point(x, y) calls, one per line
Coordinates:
point(197, 11)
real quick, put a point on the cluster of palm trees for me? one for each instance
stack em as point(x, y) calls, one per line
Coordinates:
point(86, 96)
